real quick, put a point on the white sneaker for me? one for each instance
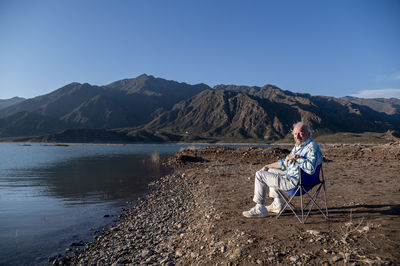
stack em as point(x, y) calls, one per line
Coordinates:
point(274, 208)
point(256, 212)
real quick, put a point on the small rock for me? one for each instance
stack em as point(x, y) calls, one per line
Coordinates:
point(336, 258)
point(294, 258)
point(194, 255)
point(79, 243)
point(146, 252)
point(236, 254)
point(365, 229)
point(169, 263)
point(164, 260)
point(223, 249)
point(314, 232)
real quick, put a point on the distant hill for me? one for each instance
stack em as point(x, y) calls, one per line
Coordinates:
point(123, 103)
point(8, 102)
point(153, 109)
point(389, 106)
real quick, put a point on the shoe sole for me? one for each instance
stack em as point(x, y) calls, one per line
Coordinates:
point(251, 216)
point(273, 211)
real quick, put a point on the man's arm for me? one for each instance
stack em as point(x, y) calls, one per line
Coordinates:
point(271, 165)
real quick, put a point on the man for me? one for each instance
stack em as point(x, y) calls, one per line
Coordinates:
point(283, 174)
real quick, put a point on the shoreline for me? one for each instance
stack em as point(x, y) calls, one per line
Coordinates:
point(149, 228)
point(212, 144)
point(194, 216)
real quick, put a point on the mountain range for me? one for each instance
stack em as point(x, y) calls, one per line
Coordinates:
point(146, 108)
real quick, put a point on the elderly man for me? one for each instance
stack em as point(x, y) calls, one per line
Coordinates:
point(283, 174)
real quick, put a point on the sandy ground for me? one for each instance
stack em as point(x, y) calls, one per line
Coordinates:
point(194, 216)
point(363, 191)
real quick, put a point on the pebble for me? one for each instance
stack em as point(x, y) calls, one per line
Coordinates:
point(335, 258)
point(145, 233)
point(314, 232)
point(236, 254)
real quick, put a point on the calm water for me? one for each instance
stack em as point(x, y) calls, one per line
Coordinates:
point(52, 196)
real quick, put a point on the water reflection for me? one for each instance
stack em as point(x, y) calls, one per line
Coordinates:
point(101, 177)
point(49, 198)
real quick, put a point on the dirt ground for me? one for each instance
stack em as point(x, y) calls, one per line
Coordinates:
point(363, 191)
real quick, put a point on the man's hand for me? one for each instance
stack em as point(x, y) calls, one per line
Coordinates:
point(291, 158)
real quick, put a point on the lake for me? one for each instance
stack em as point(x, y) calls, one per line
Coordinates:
point(52, 196)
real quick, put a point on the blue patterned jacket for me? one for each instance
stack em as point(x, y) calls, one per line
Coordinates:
point(310, 157)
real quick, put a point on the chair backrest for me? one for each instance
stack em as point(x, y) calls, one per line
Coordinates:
point(306, 181)
point(310, 180)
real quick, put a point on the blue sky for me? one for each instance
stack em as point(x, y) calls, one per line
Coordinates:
point(332, 48)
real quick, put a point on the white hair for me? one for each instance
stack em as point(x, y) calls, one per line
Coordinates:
point(303, 125)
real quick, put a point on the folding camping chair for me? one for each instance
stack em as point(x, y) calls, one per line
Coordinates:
point(306, 186)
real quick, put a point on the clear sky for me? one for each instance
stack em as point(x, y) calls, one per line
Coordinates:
point(333, 48)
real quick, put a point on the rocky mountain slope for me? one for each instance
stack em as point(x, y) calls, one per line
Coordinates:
point(237, 113)
point(153, 109)
point(323, 113)
point(389, 106)
point(214, 114)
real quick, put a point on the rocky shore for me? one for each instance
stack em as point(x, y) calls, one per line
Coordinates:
point(193, 217)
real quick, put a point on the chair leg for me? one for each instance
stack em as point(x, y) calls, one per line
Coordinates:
point(312, 199)
point(326, 202)
point(288, 203)
point(301, 205)
point(323, 183)
point(313, 196)
point(312, 202)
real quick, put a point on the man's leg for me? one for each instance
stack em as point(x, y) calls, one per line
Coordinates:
point(273, 179)
point(264, 179)
point(281, 183)
point(261, 181)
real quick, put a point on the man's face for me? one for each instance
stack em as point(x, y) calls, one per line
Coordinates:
point(300, 134)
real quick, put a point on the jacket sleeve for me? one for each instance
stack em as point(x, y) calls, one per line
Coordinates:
point(311, 159)
point(282, 161)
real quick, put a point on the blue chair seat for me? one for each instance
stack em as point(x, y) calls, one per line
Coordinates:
point(307, 182)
